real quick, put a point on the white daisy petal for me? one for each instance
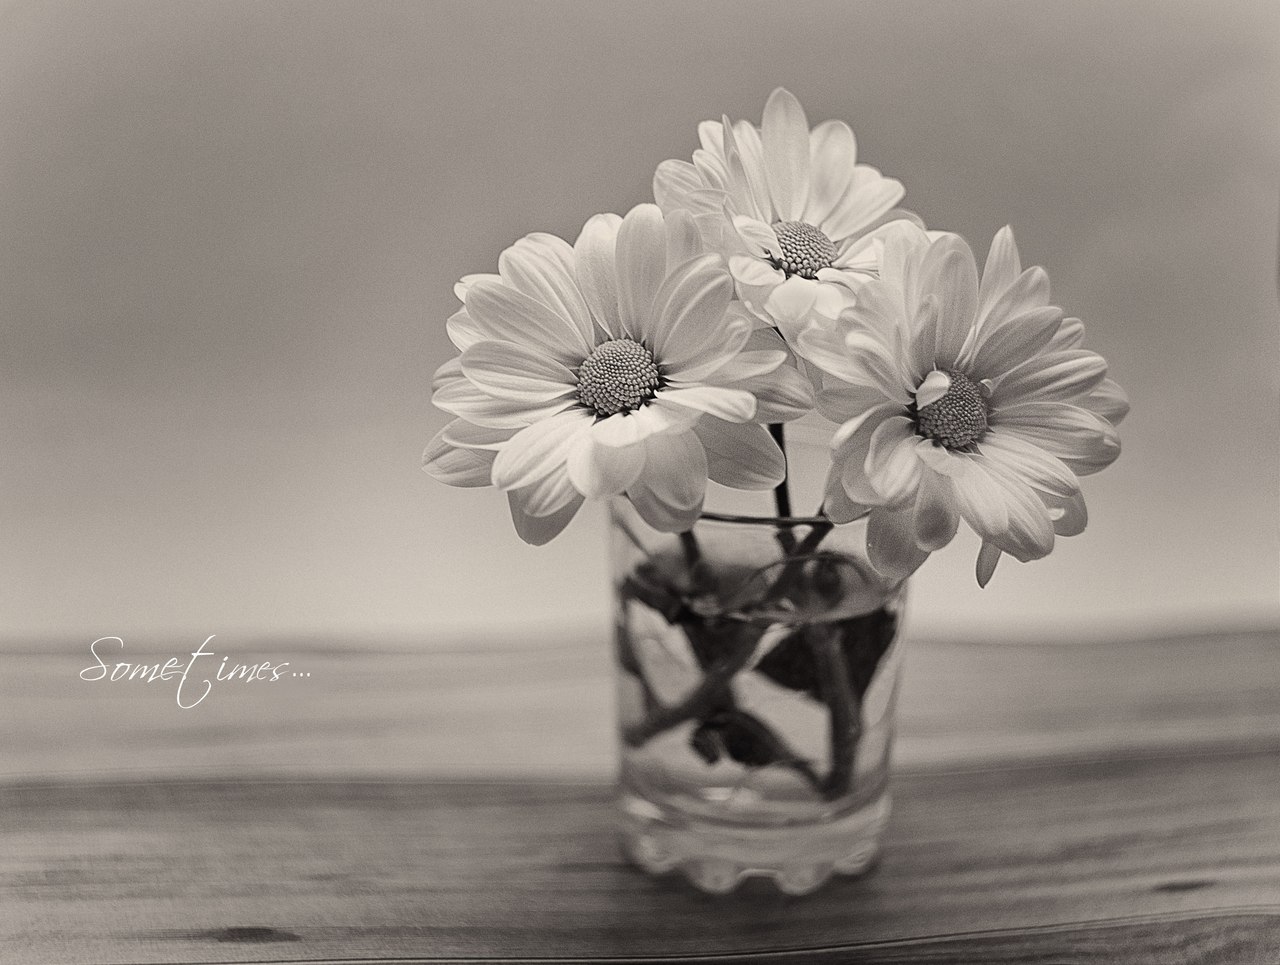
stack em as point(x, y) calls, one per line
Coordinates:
point(448, 373)
point(741, 455)
point(935, 385)
point(754, 272)
point(941, 459)
point(464, 284)
point(980, 500)
point(935, 518)
point(537, 451)
point(878, 310)
point(1028, 534)
point(455, 465)
point(461, 398)
point(745, 141)
point(711, 136)
point(785, 138)
point(739, 183)
point(920, 353)
point(851, 446)
point(837, 505)
point(549, 495)
point(597, 272)
point(462, 330)
point(688, 315)
point(833, 153)
point(1087, 461)
point(1070, 334)
point(789, 305)
point(597, 471)
point(669, 493)
point(536, 266)
point(691, 361)
point(1002, 269)
point(672, 183)
point(892, 465)
point(988, 557)
point(1068, 514)
point(713, 192)
point(861, 253)
point(831, 300)
point(1063, 376)
point(508, 370)
point(1108, 400)
point(1004, 343)
point(878, 366)
point(761, 353)
point(743, 365)
point(735, 405)
point(683, 238)
point(1029, 290)
point(505, 314)
point(1023, 460)
point(462, 433)
point(891, 543)
point(865, 422)
point(781, 396)
point(758, 237)
point(649, 420)
point(642, 266)
point(1058, 427)
point(824, 346)
point(841, 401)
point(865, 201)
point(949, 272)
point(538, 530)
point(904, 245)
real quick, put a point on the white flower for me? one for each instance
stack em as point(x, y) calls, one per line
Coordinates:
point(617, 365)
point(961, 399)
point(790, 208)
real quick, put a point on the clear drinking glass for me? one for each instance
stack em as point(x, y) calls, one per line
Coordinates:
point(757, 674)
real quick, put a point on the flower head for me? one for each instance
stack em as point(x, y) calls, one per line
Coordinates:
point(619, 364)
point(961, 399)
point(790, 207)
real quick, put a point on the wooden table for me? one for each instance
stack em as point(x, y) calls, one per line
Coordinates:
point(1113, 802)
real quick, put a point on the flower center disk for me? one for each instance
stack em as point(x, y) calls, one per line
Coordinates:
point(805, 249)
point(619, 376)
point(959, 418)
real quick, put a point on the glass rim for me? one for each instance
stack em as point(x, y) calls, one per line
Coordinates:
point(787, 521)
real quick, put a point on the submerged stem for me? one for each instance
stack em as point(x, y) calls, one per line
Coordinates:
point(844, 707)
point(699, 702)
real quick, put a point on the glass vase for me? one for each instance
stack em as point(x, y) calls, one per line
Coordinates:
point(757, 674)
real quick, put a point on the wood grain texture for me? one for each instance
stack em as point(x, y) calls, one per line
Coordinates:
point(1083, 804)
point(1175, 859)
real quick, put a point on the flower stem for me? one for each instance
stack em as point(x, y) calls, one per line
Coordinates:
point(798, 554)
point(692, 551)
point(781, 492)
point(846, 715)
point(699, 701)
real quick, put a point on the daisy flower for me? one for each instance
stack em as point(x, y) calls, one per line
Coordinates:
point(791, 209)
point(961, 399)
point(617, 365)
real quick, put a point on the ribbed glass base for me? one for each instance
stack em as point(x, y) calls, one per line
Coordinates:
point(717, 856)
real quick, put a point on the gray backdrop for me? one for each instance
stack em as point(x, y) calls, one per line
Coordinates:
point(229, 232)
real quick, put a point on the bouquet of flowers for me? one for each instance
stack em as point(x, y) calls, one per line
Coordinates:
point(774, 276)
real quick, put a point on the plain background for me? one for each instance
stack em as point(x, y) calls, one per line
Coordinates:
point(229, 233)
